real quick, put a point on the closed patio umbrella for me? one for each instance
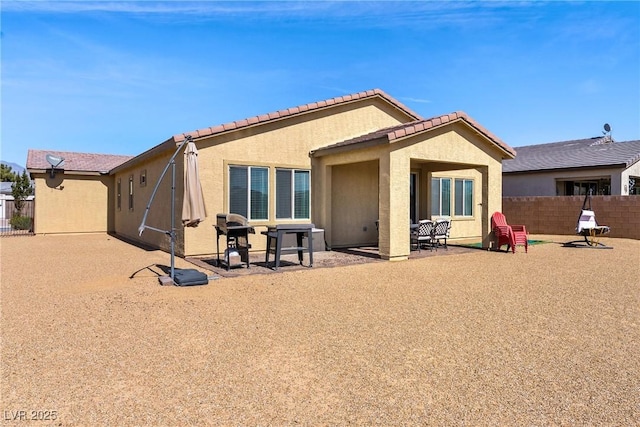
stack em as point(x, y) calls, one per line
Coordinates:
point(193, 209)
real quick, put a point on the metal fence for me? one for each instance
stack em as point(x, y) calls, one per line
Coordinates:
point(14, 223)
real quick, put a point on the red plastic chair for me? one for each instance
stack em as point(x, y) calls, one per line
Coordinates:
point(510, 235)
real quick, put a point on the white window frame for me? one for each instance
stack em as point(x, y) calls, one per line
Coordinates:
point(292, 193)
point(248, 183)
point(463, 197)
point(440, 204)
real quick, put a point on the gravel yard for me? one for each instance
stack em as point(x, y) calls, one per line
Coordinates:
point(551, 337)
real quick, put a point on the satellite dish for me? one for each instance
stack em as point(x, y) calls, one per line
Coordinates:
point(55, 162)
point(607, 127)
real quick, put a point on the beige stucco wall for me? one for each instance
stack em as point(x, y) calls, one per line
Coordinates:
point(72, 203)
point(451, 148)
point(454, 151)
point(329, 187)
point(350, 189)
point(355, 204)
point(463, 227)
point(128, 220)
point(284, 143)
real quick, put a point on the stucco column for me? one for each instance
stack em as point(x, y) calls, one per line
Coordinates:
point(384, 200)
point(491, 198)
point(485, 206)
point(321, 196)
point(393, 237)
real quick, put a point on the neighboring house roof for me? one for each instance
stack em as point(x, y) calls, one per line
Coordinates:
point(404, 130)
point(582, 153)
point(81, 163)
point(306, 108)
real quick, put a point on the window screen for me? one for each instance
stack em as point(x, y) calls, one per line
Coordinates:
point(441, 196)
point(464, 197)
point(249, 192)
point(292, 194)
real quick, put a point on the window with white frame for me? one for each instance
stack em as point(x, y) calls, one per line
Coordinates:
point(441, 196)
point(463, 197)
point(249, 191)
point(292, 194)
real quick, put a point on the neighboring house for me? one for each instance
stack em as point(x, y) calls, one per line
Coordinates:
point(79, 196)
point(345, 164)
point(572, 168)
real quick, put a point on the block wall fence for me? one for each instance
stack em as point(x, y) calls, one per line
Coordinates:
point(559, 215)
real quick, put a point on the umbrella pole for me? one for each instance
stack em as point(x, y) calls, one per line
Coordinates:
point(143, 225)
point(173, 216)
point(171, 232)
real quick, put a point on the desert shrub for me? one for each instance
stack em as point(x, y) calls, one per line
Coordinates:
point(19, 222)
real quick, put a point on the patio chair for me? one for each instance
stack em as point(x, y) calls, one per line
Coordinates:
point(510, 235)
point(442, 230)
point(423, 234)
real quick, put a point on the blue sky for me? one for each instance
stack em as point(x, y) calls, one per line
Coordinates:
point(119, 77)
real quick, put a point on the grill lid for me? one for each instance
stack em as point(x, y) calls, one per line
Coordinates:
point(224, 221)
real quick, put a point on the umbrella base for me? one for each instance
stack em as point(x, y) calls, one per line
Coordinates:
point(166, 281)
point(185, 277)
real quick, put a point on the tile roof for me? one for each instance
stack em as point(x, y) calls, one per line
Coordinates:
point(407, 129)
point(580, 153)
point(75, 162)
point(276, 115)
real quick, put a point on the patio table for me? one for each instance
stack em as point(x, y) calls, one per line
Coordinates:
point(275, 236)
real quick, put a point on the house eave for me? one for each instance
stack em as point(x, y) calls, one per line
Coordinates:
point(152, 152)
point(67, 172)
point(338, 149)
point(506, 153)
point(411, 132)
point(561, 169)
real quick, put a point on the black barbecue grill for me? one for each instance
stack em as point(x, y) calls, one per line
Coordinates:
point(236, 229)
